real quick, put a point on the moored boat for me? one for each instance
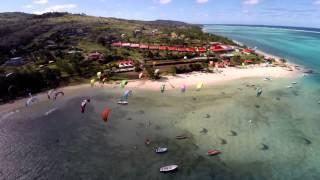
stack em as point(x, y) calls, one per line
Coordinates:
point(182, 137)
point(123, 102)
point(161, 150)
point(213, 152)
point(169, 168)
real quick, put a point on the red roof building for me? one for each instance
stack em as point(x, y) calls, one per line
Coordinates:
point(163, 48)
point(143, 46)
point(95, 56)
point(172, 48)
point(151, 47)
point(116, 44)
point(220, 48)
point(248, 61)
point(134, 45)
point(248, 51)
point(201, 50)
point(191, 49)
point(126, 44)
point(182, 49)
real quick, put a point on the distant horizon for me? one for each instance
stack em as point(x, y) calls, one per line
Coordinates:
point(274, 13)
point(226, 24)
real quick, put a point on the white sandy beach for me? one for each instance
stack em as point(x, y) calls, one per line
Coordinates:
point(174, 82)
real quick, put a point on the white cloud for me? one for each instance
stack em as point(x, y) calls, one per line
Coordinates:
point(164, 1)
point(57, 8)
point(317, 2)
point(40, 1)
point(29, 6)
point(251, 2)
point(202, 1)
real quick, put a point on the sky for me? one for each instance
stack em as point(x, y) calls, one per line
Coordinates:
point(303, 13)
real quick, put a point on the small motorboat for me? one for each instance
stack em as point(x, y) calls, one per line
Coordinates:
point(161, 150)
point(169, 168)
point(123, 102)
point(289, 87)
point(213, 152)
point(259, 92)
point(294, 83)
point(182, 137)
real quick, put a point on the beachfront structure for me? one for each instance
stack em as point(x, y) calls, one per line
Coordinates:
point(248, 51)
point(126, 64)
point(217, 47)
point(95, 56)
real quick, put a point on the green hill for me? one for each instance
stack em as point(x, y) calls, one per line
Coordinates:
point(65, 39)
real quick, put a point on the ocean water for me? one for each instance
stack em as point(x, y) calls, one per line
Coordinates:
point(272, 137)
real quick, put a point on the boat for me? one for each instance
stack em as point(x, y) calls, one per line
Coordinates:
point(123, 102)
point(213, 152)
point(169, 168)
point(161, 150)
point(294, 83)
point(182, 137)
point(289, 87)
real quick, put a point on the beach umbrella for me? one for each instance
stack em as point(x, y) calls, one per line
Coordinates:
point(123, 83)
point(84, 104)
point(105, 114)
point(92, 82)
point(199, 86)
point(99, 75)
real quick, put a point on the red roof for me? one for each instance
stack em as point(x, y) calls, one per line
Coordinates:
point(218, 48)
point(153, 47)
point(117, 44)
point(143, 46)
point(248, 61)
point(248, 50)
point(172, 48)
point(191, 49)
point(182, 49)
point(126, 44)
point(202, 49)
point(134, 45)
point(163, 48)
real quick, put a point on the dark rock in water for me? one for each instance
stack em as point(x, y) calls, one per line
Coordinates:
point(232, 133)
point(157, 127)
point(204, 131)
point(278, 98)
point(307, 141)
point(207, 116)
point(141, 111)
point(222, 141)
point(257, 106)
point(129, 118)
point(263, 147)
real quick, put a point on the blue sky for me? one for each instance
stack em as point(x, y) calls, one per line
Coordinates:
point(268, 12)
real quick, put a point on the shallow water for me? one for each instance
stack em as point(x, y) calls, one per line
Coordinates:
point(275, 136)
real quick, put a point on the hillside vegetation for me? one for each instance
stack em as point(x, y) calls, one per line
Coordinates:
point(44, 41)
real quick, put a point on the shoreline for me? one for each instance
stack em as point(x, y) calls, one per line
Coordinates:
point(190, 80)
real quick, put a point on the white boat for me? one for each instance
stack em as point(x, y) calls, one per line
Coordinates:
point(169, 168)
point(161, 150)
point(123, 102)
point(289, 87)
point(294, 83)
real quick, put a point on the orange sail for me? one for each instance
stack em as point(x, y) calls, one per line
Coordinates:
point(105, 114)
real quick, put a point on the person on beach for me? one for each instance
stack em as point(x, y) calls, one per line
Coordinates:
point(163, 88)
point(84, 104)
